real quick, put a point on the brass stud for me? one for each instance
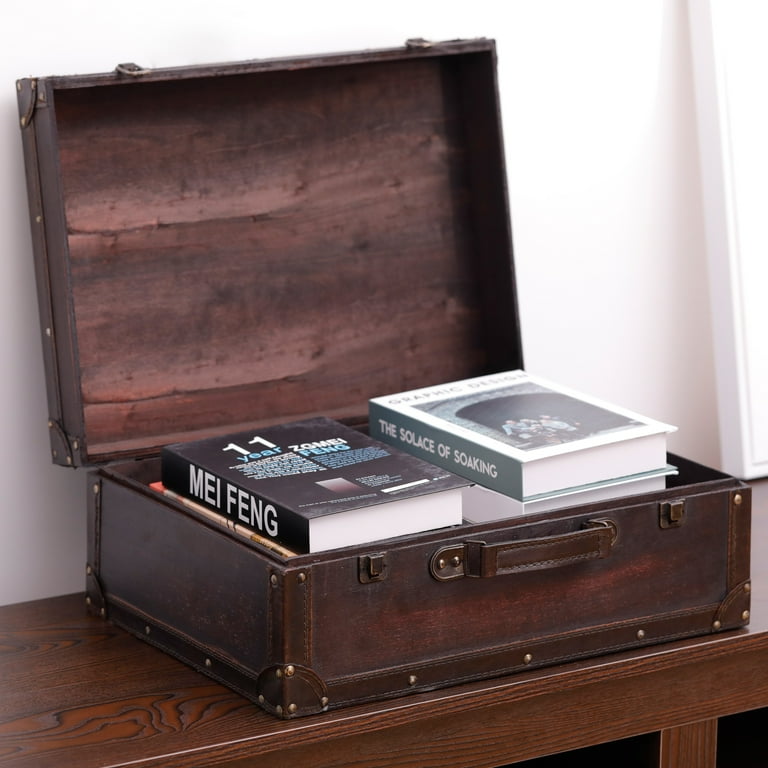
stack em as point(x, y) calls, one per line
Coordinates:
point(716, 625)
point(279, 709)
point(95, 488)
point(737, 499)
point(745, 615)
point(640, 634)
point(87, 599)
point(290, 670)
point(748, 587)
point(88, 570)
point(208, 663)
point(412, 680)
point(54, 453)
point(292, 708)
point(279, 674)
point(456, 562)
point(261, 698)
point(75, 444)
point(103, 612)
point(69, 460)
point(441, 563)
point(49, 333)
point(273, 580)
point(324, 701)
point(39, 219)
point(147, 630)
point(528, 658)
point(302, 577)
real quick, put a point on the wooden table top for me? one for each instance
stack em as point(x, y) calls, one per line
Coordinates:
point(77, 691)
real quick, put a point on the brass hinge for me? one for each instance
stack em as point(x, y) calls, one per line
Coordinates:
point(130, 69)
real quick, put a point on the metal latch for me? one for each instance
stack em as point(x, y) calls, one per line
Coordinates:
point(372, 568)
point(671, 513)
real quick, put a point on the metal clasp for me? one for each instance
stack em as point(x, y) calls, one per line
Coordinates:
point(372, 568)
point(671, 513)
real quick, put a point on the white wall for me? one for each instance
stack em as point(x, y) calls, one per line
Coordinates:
point(597, 100)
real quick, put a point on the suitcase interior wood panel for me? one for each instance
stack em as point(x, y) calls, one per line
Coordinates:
point(262, 246)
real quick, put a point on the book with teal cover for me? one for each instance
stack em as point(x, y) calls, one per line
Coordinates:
point(519, 434)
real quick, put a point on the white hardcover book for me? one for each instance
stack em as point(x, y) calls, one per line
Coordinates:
point(519, 434)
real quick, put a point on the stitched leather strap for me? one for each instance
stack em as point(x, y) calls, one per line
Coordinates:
point(477, 559)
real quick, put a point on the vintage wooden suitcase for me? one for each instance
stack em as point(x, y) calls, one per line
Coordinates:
point(227, 246)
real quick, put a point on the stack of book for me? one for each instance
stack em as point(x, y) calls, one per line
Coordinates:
point(310, 486)
point(528, 445)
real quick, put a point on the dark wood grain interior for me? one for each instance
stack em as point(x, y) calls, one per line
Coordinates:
point(257, 247)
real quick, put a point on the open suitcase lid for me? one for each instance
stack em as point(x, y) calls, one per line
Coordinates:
point(227, 246)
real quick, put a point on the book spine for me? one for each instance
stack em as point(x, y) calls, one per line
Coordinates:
point(235, 502)
point(459, 455)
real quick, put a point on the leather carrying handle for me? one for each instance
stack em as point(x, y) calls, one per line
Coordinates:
point(476, 559)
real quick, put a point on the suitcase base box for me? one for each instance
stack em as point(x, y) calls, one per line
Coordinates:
point(225, 247)
point(305, 634)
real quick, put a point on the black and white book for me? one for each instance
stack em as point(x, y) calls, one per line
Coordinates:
point(314, 485)
point(520, 435)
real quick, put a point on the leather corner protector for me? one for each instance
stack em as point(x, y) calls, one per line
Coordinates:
point(291, 690)
point(734, 611)
point(94, 594)
point(61, 446)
